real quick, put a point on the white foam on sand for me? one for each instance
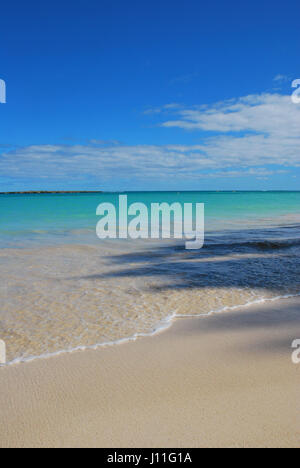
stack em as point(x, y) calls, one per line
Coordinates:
point(162, 326)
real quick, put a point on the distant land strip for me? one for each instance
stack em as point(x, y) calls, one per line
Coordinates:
point(38, 192)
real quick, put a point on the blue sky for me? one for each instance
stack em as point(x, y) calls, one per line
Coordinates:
point(133, 95)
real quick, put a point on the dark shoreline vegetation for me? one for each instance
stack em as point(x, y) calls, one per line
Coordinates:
point(66, 192)
point(42, 192)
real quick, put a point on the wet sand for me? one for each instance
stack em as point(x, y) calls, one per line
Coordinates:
point(221, 381)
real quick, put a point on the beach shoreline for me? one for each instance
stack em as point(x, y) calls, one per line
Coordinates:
point(225, 380)
point(163, 325)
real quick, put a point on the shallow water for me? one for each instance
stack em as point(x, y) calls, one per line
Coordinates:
point(63, 289)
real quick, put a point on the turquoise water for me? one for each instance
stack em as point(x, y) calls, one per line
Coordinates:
point(52, 218)
point(62, 288)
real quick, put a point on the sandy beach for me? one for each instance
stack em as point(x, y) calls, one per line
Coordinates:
point(149, 227)
point(222, 381)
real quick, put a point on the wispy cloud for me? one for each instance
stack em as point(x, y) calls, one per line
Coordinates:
point(264, 114)
point(253, 130)
point(281, 78)
point(161, 109)
point(254, 136)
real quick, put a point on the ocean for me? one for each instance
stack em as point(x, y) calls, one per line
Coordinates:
point(62, 288)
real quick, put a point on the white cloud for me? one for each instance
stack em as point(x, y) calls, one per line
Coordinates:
point(267, 114)
point(257, 135)
point(281, 78)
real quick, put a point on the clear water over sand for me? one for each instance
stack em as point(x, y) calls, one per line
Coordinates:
point(62, 288)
